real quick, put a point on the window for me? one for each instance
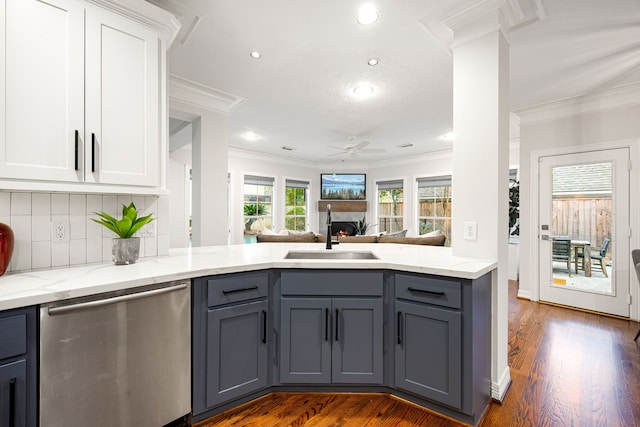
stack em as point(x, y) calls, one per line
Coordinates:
point(295, 209)
point(258, 203)
point(434, 205)
point(390, 206)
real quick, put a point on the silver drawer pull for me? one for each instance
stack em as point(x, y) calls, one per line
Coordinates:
point(424, 291)
point(107, 301)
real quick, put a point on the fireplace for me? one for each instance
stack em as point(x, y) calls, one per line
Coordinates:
point(348, 227)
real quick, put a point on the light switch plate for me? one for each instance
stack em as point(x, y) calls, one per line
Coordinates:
point(470, 230)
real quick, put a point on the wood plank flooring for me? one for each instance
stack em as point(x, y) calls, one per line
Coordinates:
point(568, 368)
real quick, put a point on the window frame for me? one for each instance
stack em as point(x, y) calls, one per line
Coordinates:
point(389, 184)
point(296, 184)
point(440, 181)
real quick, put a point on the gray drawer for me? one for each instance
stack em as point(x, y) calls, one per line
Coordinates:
point(13, 336)
point(332, 283)
point(234, 288)
point(447, 293)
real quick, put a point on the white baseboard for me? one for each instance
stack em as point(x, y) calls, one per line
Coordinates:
point(498, 390)
point(524, 294)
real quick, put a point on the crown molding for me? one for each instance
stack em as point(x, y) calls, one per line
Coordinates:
point(201, 96)
point(454, 28)
point(146, 13)
point(243, 153)
point(618, 97)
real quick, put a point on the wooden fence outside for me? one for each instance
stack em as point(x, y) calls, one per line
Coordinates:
point(582, 219)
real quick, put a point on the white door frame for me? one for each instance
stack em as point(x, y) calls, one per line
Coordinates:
point(634, 205)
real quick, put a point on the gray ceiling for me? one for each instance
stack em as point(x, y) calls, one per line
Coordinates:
point(299, 93)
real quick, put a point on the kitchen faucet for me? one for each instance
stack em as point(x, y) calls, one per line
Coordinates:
point(328, 226)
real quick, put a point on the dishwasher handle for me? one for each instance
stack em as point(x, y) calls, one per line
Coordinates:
point(106, 301)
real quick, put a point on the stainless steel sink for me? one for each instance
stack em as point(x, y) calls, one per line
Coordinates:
point(330, 255)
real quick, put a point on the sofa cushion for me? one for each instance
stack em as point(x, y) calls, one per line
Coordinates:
point(432, 241)
point(349, 239)
point(303, 238)
point(432, 234)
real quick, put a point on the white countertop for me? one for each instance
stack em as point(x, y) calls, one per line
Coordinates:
point(42, 286)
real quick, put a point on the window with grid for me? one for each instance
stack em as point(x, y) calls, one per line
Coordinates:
point(295, 209)
point(434, 205)
point(390, 206)
point(258, 203)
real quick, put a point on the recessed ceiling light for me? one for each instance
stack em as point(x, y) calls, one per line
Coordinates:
point(250, 136)
point(367, 14)
point(448, 136)
point(363, 91)
point(373, 61)
point(255, 54)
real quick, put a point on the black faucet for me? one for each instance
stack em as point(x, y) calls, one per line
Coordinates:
point(328, 226)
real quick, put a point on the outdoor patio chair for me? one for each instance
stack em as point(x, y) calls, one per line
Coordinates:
point(599, 256)
point(562, 251)
point(635, 256)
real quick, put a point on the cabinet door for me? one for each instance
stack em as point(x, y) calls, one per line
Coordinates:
point(122, 101)
point(41, 89)
point(13, 394)
point(357, 346)
point(428, 355)
point(305, 346)
point(236, 351)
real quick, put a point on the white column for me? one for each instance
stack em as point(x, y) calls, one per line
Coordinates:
point(481, 160)
point(209, 180)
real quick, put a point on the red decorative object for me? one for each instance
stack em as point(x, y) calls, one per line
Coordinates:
point(6, 247)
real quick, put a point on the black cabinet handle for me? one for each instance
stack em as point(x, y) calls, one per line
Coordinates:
point(77, 141)
point(235, 291)
point(12, 402)
point(337, 319)
point(264, 326)
point(93, 152)
point(399, 327)
point(424, 291)
point(326, 324)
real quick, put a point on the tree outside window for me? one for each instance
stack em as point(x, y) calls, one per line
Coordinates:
point(390, 206)
point(295, 217)
point(434, 206)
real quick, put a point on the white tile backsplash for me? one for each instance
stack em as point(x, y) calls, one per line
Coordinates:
point(30, 216)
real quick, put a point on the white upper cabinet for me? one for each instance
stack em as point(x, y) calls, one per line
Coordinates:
point(83, 96)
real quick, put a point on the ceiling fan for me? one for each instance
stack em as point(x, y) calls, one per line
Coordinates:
point(354, 148)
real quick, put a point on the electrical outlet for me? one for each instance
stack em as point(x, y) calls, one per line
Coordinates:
point(470, 230)
point(60, 231)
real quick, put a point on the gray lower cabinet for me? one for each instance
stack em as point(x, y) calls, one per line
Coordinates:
point(18, 390)
point(236, 351)
point(428, 356)
point(230, 339)
point(331, 340)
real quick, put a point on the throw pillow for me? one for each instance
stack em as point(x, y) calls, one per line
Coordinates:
point(402, 233)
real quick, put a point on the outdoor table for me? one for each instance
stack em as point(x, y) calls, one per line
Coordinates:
point(585, 245)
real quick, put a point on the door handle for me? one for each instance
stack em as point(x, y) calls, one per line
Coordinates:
point(337, 319)
point(399, 327)
point(12, 402)
point(93, 152)
point(77, 141)
point(264, 326)
point(424, 291)
point(326, 324)
point(107, 301)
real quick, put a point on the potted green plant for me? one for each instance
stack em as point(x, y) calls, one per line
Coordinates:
point(125, 247)
point(361, 226)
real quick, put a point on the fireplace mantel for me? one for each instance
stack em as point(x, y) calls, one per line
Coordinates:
point(343, 205)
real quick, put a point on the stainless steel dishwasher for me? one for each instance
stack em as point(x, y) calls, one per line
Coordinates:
point(118, 359)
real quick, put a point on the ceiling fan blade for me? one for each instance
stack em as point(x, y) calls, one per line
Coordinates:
point(373, 150)
point(336, 154)
point(361, 144)
point(337, 148)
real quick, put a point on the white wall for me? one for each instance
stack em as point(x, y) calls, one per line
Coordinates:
point(603, 119)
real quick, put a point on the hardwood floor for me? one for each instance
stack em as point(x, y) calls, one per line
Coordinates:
point(568, 368)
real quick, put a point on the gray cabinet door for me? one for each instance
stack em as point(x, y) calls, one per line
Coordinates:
point(13, 394)
point(428, 352)
point(305, 349)
point(236, 351)
point(357, 345)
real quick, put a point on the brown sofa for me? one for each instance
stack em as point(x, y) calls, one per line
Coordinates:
point(321, 238)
